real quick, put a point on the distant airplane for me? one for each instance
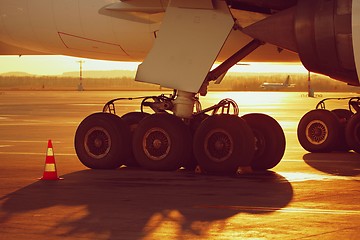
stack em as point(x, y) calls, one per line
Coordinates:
point(178, 42)
point(273, 86)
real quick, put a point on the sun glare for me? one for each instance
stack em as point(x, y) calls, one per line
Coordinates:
point(257, 67)
point(57, 65)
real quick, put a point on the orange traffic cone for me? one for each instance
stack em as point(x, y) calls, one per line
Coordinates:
point(50, 172)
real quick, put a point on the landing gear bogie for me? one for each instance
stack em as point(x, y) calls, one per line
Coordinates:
point(215, 139)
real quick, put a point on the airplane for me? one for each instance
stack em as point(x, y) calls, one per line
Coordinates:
point(177, 43)
point(277, 85)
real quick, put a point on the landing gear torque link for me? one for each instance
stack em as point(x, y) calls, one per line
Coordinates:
point(215, 139)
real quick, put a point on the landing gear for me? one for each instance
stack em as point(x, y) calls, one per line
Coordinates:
point(175, 136)
point(215, 139)
point(321, 130)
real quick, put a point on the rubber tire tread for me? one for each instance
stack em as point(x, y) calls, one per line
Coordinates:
point(274, 138)
point(352, 132)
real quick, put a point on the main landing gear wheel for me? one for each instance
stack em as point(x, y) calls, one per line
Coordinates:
point(269, 140)
point(223, 143)
point(162, 142)
point(133, 119)
point(343, 116)
point(102, 141)
point(352, 132)
point(318, 131)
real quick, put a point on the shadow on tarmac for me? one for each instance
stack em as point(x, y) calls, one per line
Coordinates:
point(339, 164)
point(133, 203)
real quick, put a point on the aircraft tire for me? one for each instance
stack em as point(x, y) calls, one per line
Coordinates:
point(194, 125)
point(343, 116)
point(223, 143)
point(352, 132)
point(269, 140)
point(318, 131)
point(102, 141)
point(162, 142)
point(132, 119)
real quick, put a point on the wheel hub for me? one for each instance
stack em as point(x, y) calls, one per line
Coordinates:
point(97, 142)
point(156, 144)
point(316, 132)
point(218, 145)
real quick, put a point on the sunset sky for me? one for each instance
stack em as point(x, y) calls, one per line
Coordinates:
point(55, 65)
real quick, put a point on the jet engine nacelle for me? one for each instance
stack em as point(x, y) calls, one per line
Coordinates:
point(325, 34)
point(323, 31)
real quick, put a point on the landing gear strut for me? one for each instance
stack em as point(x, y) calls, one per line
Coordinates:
point(216, 139)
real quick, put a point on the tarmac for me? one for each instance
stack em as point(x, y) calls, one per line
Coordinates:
point(306, 196)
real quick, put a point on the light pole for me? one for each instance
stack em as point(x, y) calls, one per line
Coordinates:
point(80, 87)
point(310, 90)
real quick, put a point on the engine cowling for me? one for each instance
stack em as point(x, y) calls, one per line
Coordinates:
point(320, 31)
point(323, 31)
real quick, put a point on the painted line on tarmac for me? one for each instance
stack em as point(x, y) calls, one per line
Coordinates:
point(28, 141)
point(32, 153)
point(318, 161)
point(284, 210)
point(85, 104)
point(41, 123)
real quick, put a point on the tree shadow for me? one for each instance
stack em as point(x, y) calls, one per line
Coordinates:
point(340, 164)
point(137, 202)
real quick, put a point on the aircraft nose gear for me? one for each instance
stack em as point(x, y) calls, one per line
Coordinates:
point(321, 130)
point(215, 139)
